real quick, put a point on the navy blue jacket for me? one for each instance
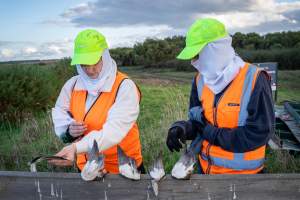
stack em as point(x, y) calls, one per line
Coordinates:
point(259, 124)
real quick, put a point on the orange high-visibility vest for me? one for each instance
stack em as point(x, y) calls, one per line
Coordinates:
point(229, 112)
point(96, 116)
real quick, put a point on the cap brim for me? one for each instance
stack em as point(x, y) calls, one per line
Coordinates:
point(86, 58)
point(190, 52)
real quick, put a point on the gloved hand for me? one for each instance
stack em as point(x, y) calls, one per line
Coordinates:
point(174, 135)
point(179, 132)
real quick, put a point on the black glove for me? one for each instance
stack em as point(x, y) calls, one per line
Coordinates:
point(180, 130)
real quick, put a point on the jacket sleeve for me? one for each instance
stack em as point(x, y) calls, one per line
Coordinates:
point(121, 117)
point(259, 124)
point(194, 99)
point(60, 113)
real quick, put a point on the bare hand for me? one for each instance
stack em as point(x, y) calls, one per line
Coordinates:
point(68, 152)
point(76, 129)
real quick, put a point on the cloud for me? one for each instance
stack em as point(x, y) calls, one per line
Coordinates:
point(143, 12)
point(242, 19)
point(129, 35)
point(59, 22)
point(80, 9)
point(25, 50)
point(6, 53)
point(237, 15)
point(4, 44)
point(29, 50)
point(294, 15)
point(287, 6)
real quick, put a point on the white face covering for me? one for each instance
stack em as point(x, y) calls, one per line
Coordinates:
point(218, 64)
point(105, 79)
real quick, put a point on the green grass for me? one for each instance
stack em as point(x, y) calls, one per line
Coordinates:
point(288, 87)
point(160, 107)
point(165, 96)
point(20, 144)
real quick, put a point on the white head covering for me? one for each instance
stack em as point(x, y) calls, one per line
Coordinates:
point(105, 79)
point(218, 64)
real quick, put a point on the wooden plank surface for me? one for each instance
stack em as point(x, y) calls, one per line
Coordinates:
point(26, 185)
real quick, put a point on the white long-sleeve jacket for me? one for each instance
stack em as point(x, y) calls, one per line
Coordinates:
point(121, 116)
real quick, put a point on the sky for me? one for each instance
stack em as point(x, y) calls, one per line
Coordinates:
point(36, 29)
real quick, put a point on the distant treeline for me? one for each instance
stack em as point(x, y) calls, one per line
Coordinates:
point(283, 47)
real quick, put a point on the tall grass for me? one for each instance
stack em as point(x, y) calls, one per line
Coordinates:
point(23, 142)
point(281, 161)
point(157, 115)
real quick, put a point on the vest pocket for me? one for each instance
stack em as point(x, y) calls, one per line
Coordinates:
point(232, 107)
point(228, 116)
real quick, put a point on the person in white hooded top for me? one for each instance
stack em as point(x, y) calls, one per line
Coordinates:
point(100, 82)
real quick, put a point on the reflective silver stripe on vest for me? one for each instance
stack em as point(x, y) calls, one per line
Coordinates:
point(247, 89)
point(238, 162)
point(200, 86)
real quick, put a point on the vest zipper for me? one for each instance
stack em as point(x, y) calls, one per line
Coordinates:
point(215, 110)
point(91, 105)
point(86, 159)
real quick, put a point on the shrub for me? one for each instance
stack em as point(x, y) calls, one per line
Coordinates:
point(179, 65)
point(30, 88)
point(287, 59)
